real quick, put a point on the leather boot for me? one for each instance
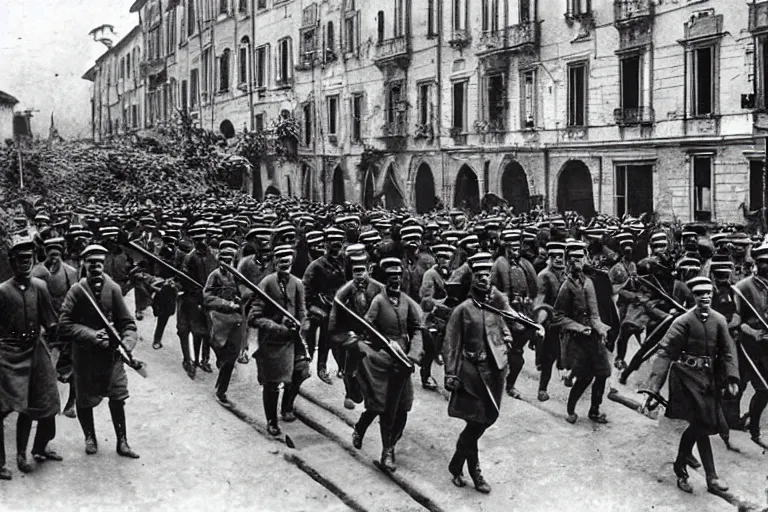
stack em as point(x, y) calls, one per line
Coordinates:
point(117, 410)
point(715, 484)
point(387, 458)
point(473, 465)
point(681, 471)
point(5, 473)
point(85, 417)
point(456, 467)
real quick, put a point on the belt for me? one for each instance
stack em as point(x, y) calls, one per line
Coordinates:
point(695, 362)
point(476, 357)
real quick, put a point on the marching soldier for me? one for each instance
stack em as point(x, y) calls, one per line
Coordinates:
point(550, 281)
point(433, 298)
point(98, 366)
point(475, 351)
point(27, 375)
point(280, 358)
point(700, 357)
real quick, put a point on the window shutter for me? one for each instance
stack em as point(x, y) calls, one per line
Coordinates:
point(357, 33)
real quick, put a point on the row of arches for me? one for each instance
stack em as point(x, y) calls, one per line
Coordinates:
point(574, 188)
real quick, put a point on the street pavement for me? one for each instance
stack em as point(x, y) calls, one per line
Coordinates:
point(196, 454)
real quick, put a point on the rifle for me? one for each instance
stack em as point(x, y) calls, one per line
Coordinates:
point(159, 261)
point(509, 315)
point(125, 354)
point(661, 292)
point(390, 346)
point(272, 302)
point(765, 325)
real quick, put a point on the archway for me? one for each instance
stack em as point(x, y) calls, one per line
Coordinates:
point(256, 190)
point(369, 190)
point(393, 196)
point(338, 186)
point(227, 129)
point(574, 189)
point(514, 187)
point(288, 185)
point(307, 182)
point(424, 189)
point(467, 193)
point(271, 191)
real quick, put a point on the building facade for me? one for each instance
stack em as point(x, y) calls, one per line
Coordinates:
point(617, 106)
point(7, 103)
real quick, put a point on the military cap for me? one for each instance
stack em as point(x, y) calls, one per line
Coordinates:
point(480, 261)
point(595, 233)
point(391, 265)
point(354, 249)
point(22, 242)
point(721, 267)
point(198, 233)
point(511, 235)
point(719, 238)
point(56, 243)
point(575, 248)
point(699, 284)
point(456, 213)
point(357, 259)
point(688, 233)
point(259, 232)
point(740, 239)
point(334, 235)
point(315, 237)
point(467, 240)
point(224, 244)
point(686, 262)
point(285, 230)
point(624, 239)
point(283, 251)
point(94, 252)
point(443, 250)
point(42, 217)
point(760, 252)
point(554, 248)
point(370, 237)
point(659, 238)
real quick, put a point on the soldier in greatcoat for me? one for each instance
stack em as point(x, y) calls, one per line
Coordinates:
point(475, 352)
point(389, 392)
point(281, 357)
point(98, 366)
point(700, 357)
point(754, 337)
point(27, 375)
point(548, 348)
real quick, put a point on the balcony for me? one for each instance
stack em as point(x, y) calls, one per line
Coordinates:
point(460, 39)
point(758, 17)
point(634, 116)
point(626, 12)
point(395, 51)
point(394, 129)
point(513, 38)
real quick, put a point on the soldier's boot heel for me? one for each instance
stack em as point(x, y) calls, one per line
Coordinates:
point(456, 467)
point(682, 476)
point(477, 478)
point(85, 416)
point(117, 410)
point(715, 485)
point(387, 459)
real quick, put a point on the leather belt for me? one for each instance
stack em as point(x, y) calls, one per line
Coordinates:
point(695, 362)
point(476, 357)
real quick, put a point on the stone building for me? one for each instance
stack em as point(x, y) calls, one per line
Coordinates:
point(7, 103)
point(618, 106)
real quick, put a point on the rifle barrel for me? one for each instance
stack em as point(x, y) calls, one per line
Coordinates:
point(155, 258)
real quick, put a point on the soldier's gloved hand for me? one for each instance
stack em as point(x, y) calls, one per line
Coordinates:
point(540, 332)
point(586, 331)
point(351, 342)
point(129, 342)
point(102, 339)
point(452, 383)
point(733, 389)
point(233, 306)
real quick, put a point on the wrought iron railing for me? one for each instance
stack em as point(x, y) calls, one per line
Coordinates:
point(508, 38)
point(633, 116)
point(627, 10)
point(391, 47)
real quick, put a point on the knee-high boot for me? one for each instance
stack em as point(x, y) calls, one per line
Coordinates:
point(387, 448)
point(85, 417)
point(23, 428)
point(5, 474)
point(117, 410)
point(270, 396)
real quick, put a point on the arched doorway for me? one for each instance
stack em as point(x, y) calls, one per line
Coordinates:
point(369, 190)
point(514, 187)
point(288, 186)
point(256, 190)
point(467, 193)
point(574, 189)
point(307, 183)
point(393, 196)
point(271, 191)
point(338, 186)
point(424, 189)
point(227, 129)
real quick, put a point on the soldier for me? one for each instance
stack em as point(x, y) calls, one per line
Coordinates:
point(390, 393)
point(753, 337)
point(548, 349)
point(433, 298)
point(221, 299)
point(98, 366)
point(416, 262)
point(254, 265)
point(475, 352)
point(322, 280)
point(700, 357)
point(281, 358)
point(27, 375)
point(582, 335)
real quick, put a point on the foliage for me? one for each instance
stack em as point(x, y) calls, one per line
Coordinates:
point(369, 157)
point(287, 127)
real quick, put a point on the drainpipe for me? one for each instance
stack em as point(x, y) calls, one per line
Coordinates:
point(600, 186)
point(546, 178)
point(439, 96)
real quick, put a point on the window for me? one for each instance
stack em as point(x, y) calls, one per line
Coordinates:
point(703, 81)
point(191, 20)
point(761, 87)
point(224, 71)
point(398, 29)
point(167, 101)
point(431, 32)
point(128, 65)
point(528, 114)
point(395, 108)
point(261, 4)
point(122, 68)
point(284, 61)
point(330, 37)
point(170, 32)
point(576, 7)
point(183, 91)
point(630, 82)
point(333, 115)
point(223, 7)
point(351, 32)
point(702, 188)
point(425, 103)
point(193, 89)
point(259, 122)
point(459, 14)
point(206, 60)
point(243, 60)
point(357, 118)
point(577, 94)
point(490, 15)
point(307, 117)
point(460, 106)
point(308, 45)
point(525, 11)
point(496, 101)
point(154, 48)
point(242, 6)
point(380, 26)
point(135, 116)
point(755, 184)
point(261, 66)
point(633, 189)
point(125, 116)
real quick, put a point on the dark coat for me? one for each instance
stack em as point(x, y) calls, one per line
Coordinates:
point(755, 289)
point(694, 394)
point(472, 329)
point(99, 372)
point(433, 285)
point(277, 354)
point(27, 375)
point(322, 280)
point(548, 347)
point(226, 325)
point(191, 315)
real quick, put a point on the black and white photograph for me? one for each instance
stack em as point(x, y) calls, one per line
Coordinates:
point(384, 255)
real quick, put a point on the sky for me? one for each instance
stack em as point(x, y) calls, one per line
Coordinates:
point(44, 51)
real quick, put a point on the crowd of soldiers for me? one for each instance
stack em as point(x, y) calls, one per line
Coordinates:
point(290, 282)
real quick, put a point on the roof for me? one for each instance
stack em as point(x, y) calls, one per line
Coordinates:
point(90, 75)
point(7, 99)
